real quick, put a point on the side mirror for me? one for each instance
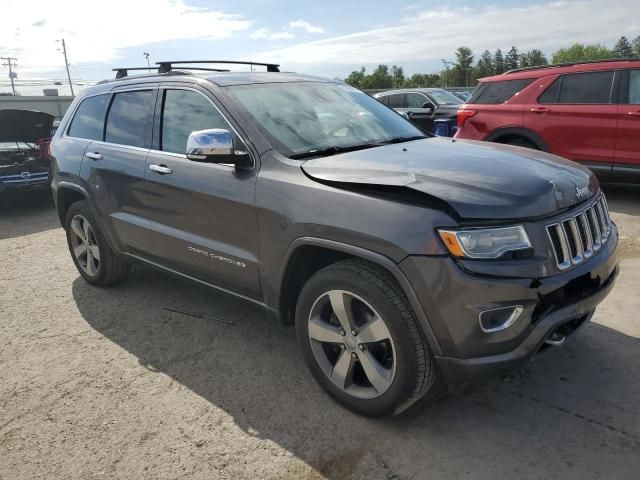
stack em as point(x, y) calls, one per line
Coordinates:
point(215, 145)
point(428, 105)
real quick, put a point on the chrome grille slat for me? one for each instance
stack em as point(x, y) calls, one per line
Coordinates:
point(18, 179)
point(580, 234)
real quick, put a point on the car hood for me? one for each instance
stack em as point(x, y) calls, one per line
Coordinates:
point(24, 125)
point(478, 180)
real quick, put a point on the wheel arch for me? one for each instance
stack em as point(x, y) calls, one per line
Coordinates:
point(297, 269)
point(525, 133)
point(66, 195)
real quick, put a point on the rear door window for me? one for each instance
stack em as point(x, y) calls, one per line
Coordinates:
point(494, 93)
point(580, 88)
point(397, 100)
point(88, 121)
point(129, 118)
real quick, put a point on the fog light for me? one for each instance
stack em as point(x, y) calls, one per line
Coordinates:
point(498, 319)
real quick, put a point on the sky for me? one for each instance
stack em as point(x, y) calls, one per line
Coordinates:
point(328, 38)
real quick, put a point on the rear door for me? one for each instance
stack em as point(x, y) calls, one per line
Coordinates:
point(576, 118)
point(627, 156)
point(204, 219)
point(114, 168)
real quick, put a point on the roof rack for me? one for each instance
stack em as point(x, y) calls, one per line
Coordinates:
point(122, 72)
point(166, 66)
point(570, 64)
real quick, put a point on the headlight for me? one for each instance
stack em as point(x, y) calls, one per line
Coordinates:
point(485, 242)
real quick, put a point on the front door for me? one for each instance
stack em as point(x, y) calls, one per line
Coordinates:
point(204, 219)
point(628, 138)
point(420, 110)
point(576, 118)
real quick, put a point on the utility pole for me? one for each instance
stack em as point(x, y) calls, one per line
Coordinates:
point(66, 64)
point(12, 74)
point(146, 55)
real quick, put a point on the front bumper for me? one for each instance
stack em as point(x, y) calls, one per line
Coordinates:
point(452, 299)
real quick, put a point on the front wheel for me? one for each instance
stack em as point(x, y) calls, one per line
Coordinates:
point(361, 339)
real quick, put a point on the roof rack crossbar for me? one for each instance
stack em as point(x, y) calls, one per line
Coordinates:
point(122, 72)
point(570, 64)
point(166, 66)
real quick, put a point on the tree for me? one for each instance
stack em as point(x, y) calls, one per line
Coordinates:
point(397, 75)
point(463, 67)
point(623, 48)
point(498, 62)
point(484, 67)
point(356, 78)
point(581, 53)
point(420, 80)
point(533, 58)
point(511, 60)
point(380, 78)
point(636, 46)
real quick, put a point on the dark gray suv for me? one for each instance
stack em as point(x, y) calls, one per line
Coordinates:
point(402, 259)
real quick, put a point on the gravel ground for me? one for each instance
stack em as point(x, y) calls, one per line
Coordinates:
point(105, 383)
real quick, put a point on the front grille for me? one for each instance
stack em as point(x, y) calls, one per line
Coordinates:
point(579, 235)
point(25, 178)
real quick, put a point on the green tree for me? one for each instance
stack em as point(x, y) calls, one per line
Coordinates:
point(623, 48)
point(533, 58)
point(380, 78)
point(498, 62)
point(581, 53)
point(511, 61)
point(356, 78)
point(463, 68)
point(420, 80)
point(636, 46)
point(397, 75)
point(484, 67)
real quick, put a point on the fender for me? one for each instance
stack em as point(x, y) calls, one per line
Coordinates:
point(520, 131)
point(373, 257)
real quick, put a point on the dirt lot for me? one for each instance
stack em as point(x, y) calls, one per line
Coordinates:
point(107, 384)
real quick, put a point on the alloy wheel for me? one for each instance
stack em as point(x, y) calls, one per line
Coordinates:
point(352, 344)
point(84, 245)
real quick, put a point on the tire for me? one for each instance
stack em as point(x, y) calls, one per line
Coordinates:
point(98, 264)
point(403, 368)
point(519, 142)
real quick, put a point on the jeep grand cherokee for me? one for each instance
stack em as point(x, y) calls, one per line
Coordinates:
point(401, 258)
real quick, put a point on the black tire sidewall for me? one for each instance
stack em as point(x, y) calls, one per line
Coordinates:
point(81, 208)
point(406, 360)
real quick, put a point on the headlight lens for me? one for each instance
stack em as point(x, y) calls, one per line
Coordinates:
point(485, 242)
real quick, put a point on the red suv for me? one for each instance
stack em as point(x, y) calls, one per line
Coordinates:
point(587, 112)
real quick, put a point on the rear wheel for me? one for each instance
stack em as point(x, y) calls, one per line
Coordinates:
point(361, 340)
point(92, 255)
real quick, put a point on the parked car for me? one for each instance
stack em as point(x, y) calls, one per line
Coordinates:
point(463, 95)
point(587, 112)
point(24, 150)
point(402, 259)
point(422, 105)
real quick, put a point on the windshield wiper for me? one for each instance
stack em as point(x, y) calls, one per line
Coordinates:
point(326, 152)
point(403, 139)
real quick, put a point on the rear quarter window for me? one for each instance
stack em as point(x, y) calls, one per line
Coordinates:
point(88, 121)
point(493, 93)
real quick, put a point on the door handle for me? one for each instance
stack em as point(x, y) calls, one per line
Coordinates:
point(634, 114)
point(94, 155)
point(539, 110)
point(161, 169)
point(410, 114)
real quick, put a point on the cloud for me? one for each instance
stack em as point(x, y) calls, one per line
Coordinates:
point(436, 33)
point(95, 31)
point(306, 26)
point(259, 34)
point(264, 34)
point(281, 36)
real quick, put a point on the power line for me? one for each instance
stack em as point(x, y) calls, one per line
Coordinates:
point(66, 64)
point(12, 75)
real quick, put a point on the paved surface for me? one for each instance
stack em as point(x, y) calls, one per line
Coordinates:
point(105, 383)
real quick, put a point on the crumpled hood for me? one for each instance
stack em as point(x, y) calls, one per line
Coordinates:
point(479, 180)
point(24, 126)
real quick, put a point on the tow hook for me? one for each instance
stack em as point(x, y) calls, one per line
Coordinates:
point(555, 339)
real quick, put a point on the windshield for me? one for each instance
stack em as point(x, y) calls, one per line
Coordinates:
point(302, 118)
point(442, 97)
